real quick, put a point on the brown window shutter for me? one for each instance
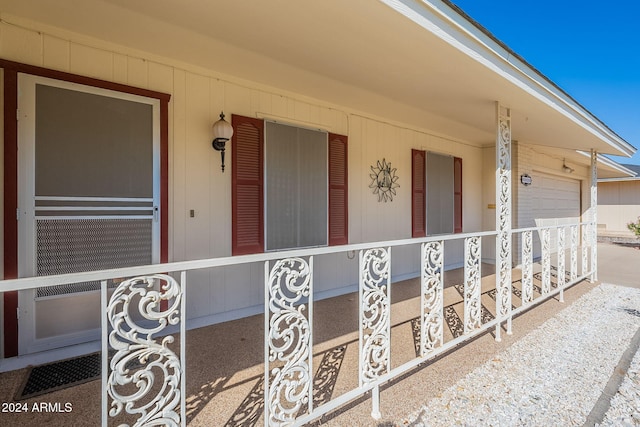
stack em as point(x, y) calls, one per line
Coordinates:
point(418, 193)
point(338, 191)
point(457, 195)
point(247, 184)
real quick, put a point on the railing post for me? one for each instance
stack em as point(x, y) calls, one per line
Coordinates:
point(503, 217)
point(574, 252)
point(527, 267)
point(104, 331)
point(594, 216)
point(585, 248)
point(375, 319)
point(561, 260)
point(183, 349)
point(546, 261)
point(375, 403)
point(267, 318)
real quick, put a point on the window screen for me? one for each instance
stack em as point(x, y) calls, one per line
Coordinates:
point(92, 145)
point(440, 194)
point(296, 187)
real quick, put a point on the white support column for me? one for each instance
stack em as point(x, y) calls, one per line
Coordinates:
point(594, 216)
point(503, 216)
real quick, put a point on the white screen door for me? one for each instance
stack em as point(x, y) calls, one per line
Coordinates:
point(88, 197)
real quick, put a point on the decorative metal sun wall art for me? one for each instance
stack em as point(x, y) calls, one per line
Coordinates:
point(384, 181)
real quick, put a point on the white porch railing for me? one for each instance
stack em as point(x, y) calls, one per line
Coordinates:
point(143, 370)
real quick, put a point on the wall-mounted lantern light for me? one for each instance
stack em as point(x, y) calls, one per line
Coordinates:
point(565, 168)
point(222, 132)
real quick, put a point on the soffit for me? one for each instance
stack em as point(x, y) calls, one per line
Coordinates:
point(607, 168)
point(359, 53)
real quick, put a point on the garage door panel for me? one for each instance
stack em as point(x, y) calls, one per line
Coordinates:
point(556, 202)
point(555, 197)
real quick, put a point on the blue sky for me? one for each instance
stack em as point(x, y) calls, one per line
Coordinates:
point(591, 49)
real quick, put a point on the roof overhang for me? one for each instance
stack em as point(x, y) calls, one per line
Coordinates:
point(618, 172)
point(420, 63)
point(608, 170)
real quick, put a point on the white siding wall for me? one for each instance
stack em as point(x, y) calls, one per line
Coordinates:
point(489, 203)
point(197, 183)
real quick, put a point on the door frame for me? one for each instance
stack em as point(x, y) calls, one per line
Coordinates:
point(28, 342)
point(10, 104)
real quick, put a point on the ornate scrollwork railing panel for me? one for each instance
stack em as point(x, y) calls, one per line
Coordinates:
point(561, 258)
point(574, 252)
point(527, 267)
point(503, 288)
point(152, 390)
point(585, 249)
point(288, 340)
point(432, 283)
point(375, 314)
point(546, 261)
point(472, 284)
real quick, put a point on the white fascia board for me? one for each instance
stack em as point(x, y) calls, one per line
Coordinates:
point(631, 178)
point(435, 16)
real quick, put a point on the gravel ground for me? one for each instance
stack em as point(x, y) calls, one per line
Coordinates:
point(625, 405)
point(554, 375)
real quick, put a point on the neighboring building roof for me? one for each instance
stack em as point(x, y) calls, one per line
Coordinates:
point(635, 169)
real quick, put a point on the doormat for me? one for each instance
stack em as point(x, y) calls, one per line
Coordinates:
point(59, 375)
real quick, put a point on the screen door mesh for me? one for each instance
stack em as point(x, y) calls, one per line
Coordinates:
point(75, 245)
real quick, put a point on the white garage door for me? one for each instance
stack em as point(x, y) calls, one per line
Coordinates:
point(555, 198)
point(556, 202)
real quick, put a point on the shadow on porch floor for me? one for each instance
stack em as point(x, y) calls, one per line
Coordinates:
point(225, 373)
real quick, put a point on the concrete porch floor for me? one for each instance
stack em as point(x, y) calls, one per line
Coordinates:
point(225, 361)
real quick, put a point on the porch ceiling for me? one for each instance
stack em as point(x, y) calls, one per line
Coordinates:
point(381, 57)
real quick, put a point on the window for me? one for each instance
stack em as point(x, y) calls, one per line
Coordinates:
point(289, 187)
point(436, 189)
point(296, 187)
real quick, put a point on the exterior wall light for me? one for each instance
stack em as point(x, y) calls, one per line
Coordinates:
point(222, 132)
point(565, 168)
